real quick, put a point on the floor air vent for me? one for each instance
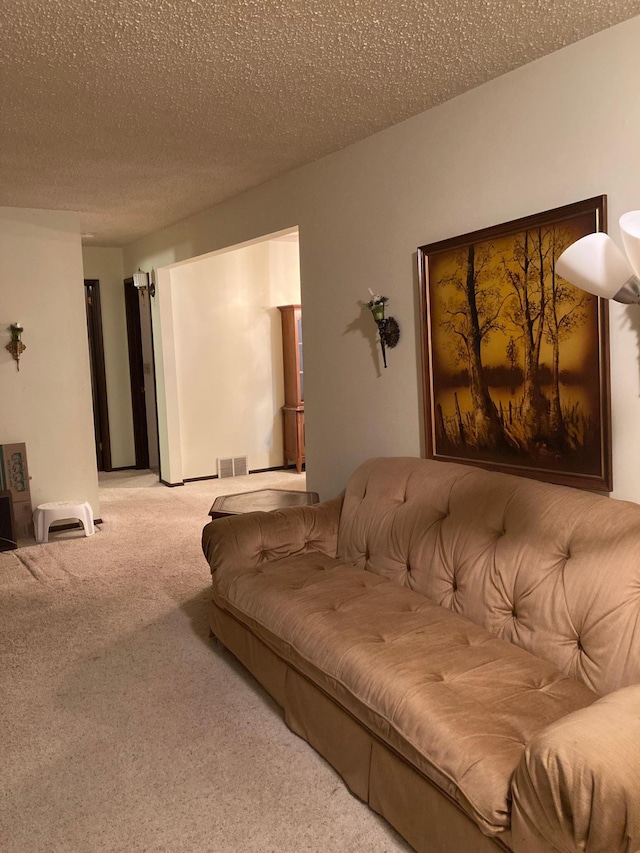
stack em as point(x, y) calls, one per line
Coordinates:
point(233, 466)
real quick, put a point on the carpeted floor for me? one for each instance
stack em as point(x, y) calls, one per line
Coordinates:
point(123, 728)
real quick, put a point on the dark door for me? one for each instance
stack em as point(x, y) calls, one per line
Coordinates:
point(136, 372)
point(98, 374)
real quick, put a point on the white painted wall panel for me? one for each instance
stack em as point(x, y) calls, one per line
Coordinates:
point(47, 404)
point(228, 354)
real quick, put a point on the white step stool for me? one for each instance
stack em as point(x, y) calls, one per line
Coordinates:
point(45, 514)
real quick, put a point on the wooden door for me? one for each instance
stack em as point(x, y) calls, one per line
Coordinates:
point(136, 373)
point(98, 374)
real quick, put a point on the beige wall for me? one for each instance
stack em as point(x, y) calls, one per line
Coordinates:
point(47, 404)
point(227, 348)
point(107, 266)
point(558, 130)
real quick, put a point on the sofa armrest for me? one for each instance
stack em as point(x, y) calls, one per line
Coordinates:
point(577, 787)
point(244, 541)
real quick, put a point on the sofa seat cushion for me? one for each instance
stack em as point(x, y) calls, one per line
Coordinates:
point(455, 701)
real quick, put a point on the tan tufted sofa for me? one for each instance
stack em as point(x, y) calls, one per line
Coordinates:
point(462, 646)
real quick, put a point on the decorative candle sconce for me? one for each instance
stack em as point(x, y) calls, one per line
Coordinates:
point(15, 345)
point(142, 282)
point(388, 328)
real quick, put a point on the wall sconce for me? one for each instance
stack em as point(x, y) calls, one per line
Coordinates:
point(595, 264)
point(142, 283)
point(388, 328)
point(15, 345)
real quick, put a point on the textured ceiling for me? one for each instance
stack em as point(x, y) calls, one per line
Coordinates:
point(138, 113)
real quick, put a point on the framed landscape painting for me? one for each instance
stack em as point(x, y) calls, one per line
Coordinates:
point(515, 360)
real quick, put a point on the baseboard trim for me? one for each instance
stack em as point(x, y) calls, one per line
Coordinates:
point(199, 479)
point(252, 471)
point(122, 468)
point(215, 476)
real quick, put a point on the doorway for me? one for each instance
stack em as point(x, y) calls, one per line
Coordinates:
point(221, 382)
point(98, 374)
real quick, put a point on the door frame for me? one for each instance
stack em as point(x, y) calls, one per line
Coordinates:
point(136, 374)
point(98, 374)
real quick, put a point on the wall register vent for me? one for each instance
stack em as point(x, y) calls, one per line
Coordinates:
point(233, 466)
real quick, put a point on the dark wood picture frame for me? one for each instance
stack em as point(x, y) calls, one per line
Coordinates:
point(515, 360)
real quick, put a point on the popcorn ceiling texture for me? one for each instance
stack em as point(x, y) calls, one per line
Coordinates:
point(138, 113)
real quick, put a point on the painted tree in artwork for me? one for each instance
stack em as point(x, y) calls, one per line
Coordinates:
point(526, 310)
point(542, 307)
point(470, 315)
point(565, 313)
point(512, 353)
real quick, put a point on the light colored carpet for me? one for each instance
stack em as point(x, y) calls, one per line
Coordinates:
point(123, 728)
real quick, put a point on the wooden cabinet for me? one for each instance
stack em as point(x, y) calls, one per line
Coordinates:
point(293, 428)
point(293, 409)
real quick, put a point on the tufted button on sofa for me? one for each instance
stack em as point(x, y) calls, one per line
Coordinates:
point(462, 646)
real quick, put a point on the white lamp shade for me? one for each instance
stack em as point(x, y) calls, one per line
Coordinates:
point(630, 229)
point(595, 264)
point(140, 279)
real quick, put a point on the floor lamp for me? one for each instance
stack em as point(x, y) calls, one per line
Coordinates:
point(595, 264)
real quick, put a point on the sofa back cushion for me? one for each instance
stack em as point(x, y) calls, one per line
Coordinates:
point(552, 569)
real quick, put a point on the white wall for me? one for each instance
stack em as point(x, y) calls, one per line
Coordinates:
point(227, 347)
point(47, 404)
point(558, 130)
point(107, 266)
